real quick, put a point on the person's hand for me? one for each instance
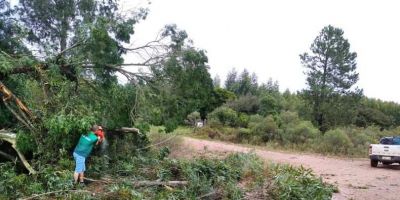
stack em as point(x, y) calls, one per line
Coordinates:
point(98, 140)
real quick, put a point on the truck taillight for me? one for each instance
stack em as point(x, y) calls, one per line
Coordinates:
point(370, 149)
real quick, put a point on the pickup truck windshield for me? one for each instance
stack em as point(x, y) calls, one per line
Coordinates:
point(390, 140)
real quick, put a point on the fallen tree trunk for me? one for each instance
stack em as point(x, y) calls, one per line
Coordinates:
point(157, 183)
point(143, 183)
point(128, 130)
point(12, 139)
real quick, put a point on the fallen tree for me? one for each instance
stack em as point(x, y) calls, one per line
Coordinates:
point(12, 139)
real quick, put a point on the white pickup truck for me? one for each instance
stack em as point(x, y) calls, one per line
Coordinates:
point(387, 152)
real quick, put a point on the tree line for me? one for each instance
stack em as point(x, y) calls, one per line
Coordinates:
point(61, 58)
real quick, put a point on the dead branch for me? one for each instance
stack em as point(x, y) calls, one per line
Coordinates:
point(69, 48)
point(128, 130)
point(100, 181)
point(55, 192)
point(7, 156)
point(159, 183)
point(144, 183)
point(12, 139)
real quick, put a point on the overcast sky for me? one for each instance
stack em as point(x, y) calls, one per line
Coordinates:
point(266, 37)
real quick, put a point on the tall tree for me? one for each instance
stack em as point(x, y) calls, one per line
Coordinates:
point(79, 34)
point(217, 81)
point(331, 73)
point(231, 80)
point(183, 82)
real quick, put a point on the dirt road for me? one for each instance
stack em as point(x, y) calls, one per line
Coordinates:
point(354, 177)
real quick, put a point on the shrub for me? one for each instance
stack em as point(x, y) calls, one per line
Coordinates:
point(266, 129)
point(299, 133)
point(244, 134)
point(243, 120)
point(298, 183)
point(246, 104)
point(224, 115)
point(193, 117)
point(270, 104)
point(335, 141)
point(254, 120)
point(286, 118)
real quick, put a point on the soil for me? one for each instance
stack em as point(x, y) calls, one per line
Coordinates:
point(355, 178)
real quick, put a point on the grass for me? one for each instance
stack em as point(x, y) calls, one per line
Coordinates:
point(235, 176)
point(229, 134)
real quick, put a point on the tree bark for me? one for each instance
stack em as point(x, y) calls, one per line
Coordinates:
point(12, 139)
point(128, 130)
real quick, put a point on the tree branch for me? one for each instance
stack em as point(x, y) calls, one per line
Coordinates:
point(55, 192)
point(12, 139)
point(157, 183)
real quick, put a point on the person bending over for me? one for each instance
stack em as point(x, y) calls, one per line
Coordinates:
point(82, 151)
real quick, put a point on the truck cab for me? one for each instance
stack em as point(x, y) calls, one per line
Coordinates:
point(387, 151)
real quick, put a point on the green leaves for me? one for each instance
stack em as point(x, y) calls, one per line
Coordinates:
point(330, 70)
point(298, 183)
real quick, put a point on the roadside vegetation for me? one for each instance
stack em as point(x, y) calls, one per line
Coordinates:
point(61, 64)
point(236, 176)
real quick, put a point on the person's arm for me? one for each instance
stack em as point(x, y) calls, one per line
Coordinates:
point(98, 140)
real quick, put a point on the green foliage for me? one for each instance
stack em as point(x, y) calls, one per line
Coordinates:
point(63, 132)
point(298, 183)
point(293, 130)
point(266, 129)
point(221, 96)
point(244, 135)
point(300, 133)
point(224, 115)
point(336, 141)
point(330, 77)
point(181, 84)
point(244, 84)
point(26, 143)
point(370, 116)
point(270, 104)
point(193, 117)
point(10, 34)
point(246, 104)
point(13, 185)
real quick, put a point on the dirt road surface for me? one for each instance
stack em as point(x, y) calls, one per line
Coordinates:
point(355, 178)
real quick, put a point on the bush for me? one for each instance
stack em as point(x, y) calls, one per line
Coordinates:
point(254, 120)
point(245, 104)
point(243, 120)
point(298, 183)
point(271, 104)
point(243, 135)
point(299, 133)
point(335, 141)
point(192, 118)
point(266, 129)
point(224, 115)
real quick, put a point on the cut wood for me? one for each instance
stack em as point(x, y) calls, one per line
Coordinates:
point(12, 139)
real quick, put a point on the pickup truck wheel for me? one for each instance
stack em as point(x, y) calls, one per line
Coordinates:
point(374, 163)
